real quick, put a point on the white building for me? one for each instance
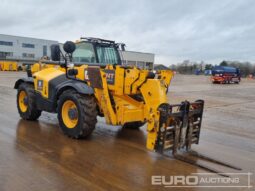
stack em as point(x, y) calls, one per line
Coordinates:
point(139, 59)
point(24, 49)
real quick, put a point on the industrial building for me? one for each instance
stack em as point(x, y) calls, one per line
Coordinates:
point(26, 50)
point(140, 59)
point(161, 67)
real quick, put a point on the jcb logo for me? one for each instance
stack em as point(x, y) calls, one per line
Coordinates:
point(110, 76)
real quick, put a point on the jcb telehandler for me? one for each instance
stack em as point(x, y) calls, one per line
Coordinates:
point(91, 81)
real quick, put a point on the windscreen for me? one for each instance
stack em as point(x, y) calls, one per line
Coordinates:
point(84, 53)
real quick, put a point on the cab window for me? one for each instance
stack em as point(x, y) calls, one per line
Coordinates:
point(84, 53)
point(107, 55)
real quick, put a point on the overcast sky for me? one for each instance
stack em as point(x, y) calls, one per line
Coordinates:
point(209, 30)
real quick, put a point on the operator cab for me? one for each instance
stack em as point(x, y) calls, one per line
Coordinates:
point(96, 51)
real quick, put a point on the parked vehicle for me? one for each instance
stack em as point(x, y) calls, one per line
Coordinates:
point(225, 74)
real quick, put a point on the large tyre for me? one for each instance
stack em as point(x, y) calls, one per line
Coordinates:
point(26, 102)
point(77, 114)
point(133, 125)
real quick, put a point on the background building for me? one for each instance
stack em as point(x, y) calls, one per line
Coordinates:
point(27, 50)
point(23, 49)
point(139, 59)
point(160, 67)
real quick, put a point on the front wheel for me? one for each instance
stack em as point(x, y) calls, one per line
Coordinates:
point(77, 114)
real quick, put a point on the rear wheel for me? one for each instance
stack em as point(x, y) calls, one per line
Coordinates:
point(77, 114)
point(26, 102)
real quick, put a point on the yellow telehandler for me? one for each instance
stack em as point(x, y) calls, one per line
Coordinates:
point(89, 80)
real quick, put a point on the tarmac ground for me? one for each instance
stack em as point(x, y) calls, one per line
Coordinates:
point(37, 156)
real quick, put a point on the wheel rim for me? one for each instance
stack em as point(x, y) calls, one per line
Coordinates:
point(23, 105)
point(69, 114)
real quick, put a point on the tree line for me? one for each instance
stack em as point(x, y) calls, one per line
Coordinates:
point(187, 67)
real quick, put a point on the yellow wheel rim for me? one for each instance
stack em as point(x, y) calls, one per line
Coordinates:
point(23, 101)
point(69, 114)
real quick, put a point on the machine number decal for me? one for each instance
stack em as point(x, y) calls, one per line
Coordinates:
point(86, 76)
point(40, 85)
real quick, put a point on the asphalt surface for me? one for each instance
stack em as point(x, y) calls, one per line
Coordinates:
point(37, 156)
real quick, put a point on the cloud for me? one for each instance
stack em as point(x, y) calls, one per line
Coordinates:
point(174, 30)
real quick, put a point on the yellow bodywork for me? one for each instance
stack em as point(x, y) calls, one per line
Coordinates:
point(42, 78)
point(128, 82)
point(40, 66)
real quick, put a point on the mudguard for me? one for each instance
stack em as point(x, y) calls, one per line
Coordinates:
point(80, 87)
point(29, 80)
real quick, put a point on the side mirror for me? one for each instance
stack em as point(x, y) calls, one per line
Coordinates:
point(69, 47)
point(55, 52)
